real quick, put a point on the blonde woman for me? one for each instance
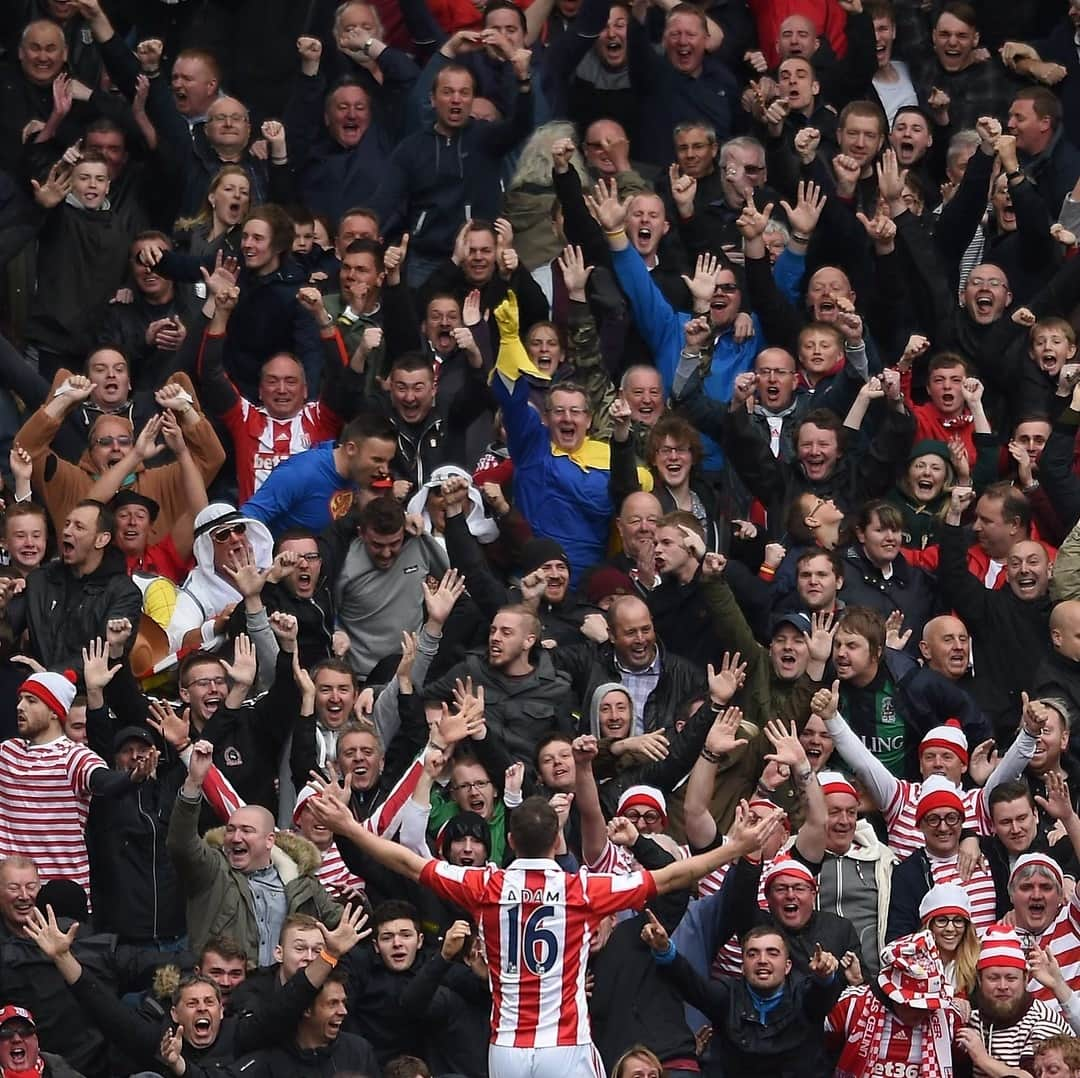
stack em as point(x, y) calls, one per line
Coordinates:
point(214, 226)
point(946, 911)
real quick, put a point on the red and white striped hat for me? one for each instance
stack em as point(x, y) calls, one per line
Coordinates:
point(302, 798)
point(787, 866)
point(55, 691)
point(950, 736)
point(646, 797)
point(1001, 947)
point(938, 792)
point(945, 900)
point(832, 782)
point(912, 972)
point(1042, 860)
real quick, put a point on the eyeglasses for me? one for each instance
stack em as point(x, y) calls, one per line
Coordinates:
point(107, 441)
point(986, 282)
point(10, 1030)
point(727, 289)
point(945, 921)
point(477, 785)
point(672, 450)
point(792, 888)
point(650, 817)
point(220, 117)
point(774, 372)
point(206, 682)
point(309, 558)
point(575, 410)
point(936, 819)
point(223, 535)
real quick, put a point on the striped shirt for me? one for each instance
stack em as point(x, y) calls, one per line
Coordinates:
point(980, 889)
point(44, 802)
point(1015, 1044)
point(1062, 939)
point(536, 922)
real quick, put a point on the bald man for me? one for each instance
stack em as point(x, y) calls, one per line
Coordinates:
point(232, 884)
point(1059, 673)
point(946, 647)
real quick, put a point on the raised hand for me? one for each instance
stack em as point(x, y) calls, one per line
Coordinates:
point(562, 153)
point(45, 932)
point(55, 189)
point(983, 762)
point(806, 144)
point(514, 778)
point(819, 640)
point(605, 206)
point(350, 930)
point(1057, 802)
point(96, 670)
point(747, 837)
point(21, 463)
point(728, 680)
point(847, 171)
point(895, 637)
point(309, 50)
point(683, 192)
point(721, 737)
point(787, 748)
point(454, 940)
point(440, 601)
point(654, 934)
point(622, 832)
point(890, 179)
point(173, 729)
point(825, 703)
point(752, 221)
point(575, 272)
point(809, 202)
point(246, 576)
point(243, 668)
point(823, 964)
point(394, 259)
point(703, 284)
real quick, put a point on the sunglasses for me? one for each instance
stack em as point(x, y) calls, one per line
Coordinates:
point(223, 535)
point(11, 1030)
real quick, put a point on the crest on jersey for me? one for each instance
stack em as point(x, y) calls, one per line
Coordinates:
point(340, 503)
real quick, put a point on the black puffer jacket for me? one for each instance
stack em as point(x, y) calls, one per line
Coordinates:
point(63, 611)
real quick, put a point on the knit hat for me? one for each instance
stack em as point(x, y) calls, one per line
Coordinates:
point(911, 973)
point(832, 782)
point(1001, 947)
point(55, 691)
point(1041, 860)
point(938, 792)
point(11, 1012)
point(605, 583)
point(930, 447)
point(646, 797)
point(537, 552)
point(302, 798)
point(945, 900)
point(787, 866)
point(465, 825)
point(762, 806)
point(950, 736)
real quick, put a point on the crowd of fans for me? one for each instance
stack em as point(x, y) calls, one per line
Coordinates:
point(540, 539)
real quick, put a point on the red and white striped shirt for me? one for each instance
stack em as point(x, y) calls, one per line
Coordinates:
point(536, 922)
point(980, 889)
point(1062, 940)
point(905, 837)
point(44, 802)
point(334, 874)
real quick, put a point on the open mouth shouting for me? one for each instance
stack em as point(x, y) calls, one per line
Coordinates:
point(787, 663)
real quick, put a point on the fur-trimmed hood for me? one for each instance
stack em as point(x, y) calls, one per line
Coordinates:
point(292, 854)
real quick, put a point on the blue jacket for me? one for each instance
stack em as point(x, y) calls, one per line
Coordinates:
point(559, 499)
point(662, 327)
point(304, 491)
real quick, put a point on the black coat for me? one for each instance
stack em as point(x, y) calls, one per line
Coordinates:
point(63, 611)
point(787, 1045)
point(908, 590)
point(1010, 636)
point(347, 1053)
point(911, 879)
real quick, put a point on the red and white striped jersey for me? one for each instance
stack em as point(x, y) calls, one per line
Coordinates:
point(905, 838)
point(1062, 940)
point(263, 443)
point(334, 874)
point(44, 802)
point(980, 889)
point(536, 922)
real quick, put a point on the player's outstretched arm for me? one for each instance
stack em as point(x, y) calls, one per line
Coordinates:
point(742, 839)
point(334, 814)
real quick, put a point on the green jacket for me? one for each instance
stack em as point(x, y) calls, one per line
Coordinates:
point(219, 898)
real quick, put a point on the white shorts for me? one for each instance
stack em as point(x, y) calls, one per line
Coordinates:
point(569, 1061)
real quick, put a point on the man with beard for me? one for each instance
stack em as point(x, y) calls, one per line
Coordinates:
point(525, 696)
point(1011, 625)
point(1009, 1022)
